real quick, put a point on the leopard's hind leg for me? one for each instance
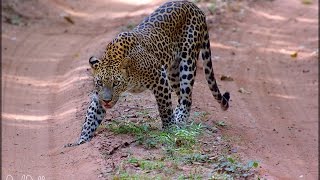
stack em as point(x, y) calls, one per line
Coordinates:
point(186, 71)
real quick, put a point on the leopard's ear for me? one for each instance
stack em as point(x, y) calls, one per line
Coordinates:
point(94, 62)
point(124, 65)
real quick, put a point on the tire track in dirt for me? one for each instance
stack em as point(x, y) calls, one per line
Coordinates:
point(277, 122)
point(45, 88)
point(33, 109)
point(41, 93)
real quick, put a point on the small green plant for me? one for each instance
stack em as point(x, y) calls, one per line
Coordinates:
point(143, 113)
point(221, 124)
point(128, 128)
point(146, 164)
point(306, 1)
point(202, 115)
point(196, 157)
point(179, 141)
point(187, 136)
point(212, 7)
point(131, 25)
point(190, 176)
point(196, 1)
point(173, 138)
point(223, 176)
point(230, 167)
point(129, 176)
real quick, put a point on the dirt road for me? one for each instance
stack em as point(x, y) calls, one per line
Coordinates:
point(278, 121)
point(45, 84)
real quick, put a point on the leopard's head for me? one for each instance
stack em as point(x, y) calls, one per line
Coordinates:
point(110, 78)
point(111, 71)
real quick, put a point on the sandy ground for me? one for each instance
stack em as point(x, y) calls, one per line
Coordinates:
point(45, 84)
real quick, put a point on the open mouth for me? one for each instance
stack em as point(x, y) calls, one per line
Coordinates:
point(106, 104)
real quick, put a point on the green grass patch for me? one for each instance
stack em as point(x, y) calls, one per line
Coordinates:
point(174, 139)
point(221, 124)
point(190, 177)
point(128, 128)
point(180, 147)
point(201, 115)
point(130, 176)
point(231, 168)
point(196, 157)
point(146, 164)
point(307, 1)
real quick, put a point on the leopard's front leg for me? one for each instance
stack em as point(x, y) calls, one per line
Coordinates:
point(94, 116)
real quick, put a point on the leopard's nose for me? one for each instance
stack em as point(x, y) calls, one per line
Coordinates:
point(107, 93)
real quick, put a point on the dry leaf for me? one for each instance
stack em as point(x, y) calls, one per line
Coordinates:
point(306, 1)
point(294, 54)
point(242, 90)
point(76, 55)
point(68, 18)
point(226, 78)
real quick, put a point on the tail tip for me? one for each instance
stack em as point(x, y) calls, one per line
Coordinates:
point(226, 95)
point(225, 101)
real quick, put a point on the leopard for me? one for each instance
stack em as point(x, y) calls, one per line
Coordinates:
point(160, 54)
point(94, 116)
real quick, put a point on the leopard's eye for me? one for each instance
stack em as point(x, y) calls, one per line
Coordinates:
point(115, 83)
point(98, 83)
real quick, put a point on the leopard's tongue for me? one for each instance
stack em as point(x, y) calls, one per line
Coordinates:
point(106, 104)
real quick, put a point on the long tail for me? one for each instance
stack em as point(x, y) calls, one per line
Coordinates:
point(208, 70)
